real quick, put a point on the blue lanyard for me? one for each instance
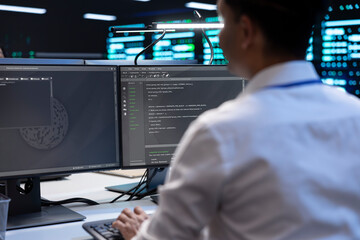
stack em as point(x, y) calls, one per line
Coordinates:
point(318, 81)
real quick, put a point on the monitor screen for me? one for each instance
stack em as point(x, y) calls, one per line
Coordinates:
point(159, 102)
point(174, 46)
point(57, 119)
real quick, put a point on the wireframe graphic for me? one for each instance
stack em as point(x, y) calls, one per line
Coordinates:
point(48, 137)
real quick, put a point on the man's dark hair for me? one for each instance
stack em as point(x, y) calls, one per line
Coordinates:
point(286, 24)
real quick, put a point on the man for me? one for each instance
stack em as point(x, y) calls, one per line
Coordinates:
point(281, 161)
point(2, 55)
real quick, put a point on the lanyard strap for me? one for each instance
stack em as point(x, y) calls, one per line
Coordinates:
point(318, 81)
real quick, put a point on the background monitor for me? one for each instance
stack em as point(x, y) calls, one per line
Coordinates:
point(55, 119)
point(335, 48)
point(140, 62)
point(159, 102)
point(41, 61)
point(183, 45)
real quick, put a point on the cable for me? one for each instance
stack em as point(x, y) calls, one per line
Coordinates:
point(135, 192)
point(45, 202)
point(199, 17)
point(139, 190)
point(143, 181)
point(148, 180)
point(152, 191)
point(211, 46)
point(141, 196)
point(28, 186)
point(149, 46)
point(131, 190)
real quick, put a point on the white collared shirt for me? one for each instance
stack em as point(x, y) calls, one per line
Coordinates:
point(274, 163)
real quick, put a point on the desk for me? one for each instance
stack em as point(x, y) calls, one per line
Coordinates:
point(86, 185)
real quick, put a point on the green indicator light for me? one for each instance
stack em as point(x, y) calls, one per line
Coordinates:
point(191, 47)
point(131, 95)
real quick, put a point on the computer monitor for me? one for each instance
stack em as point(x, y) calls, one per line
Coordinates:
point(335, 49)
point(54, 119)
point(140, 62)
point(159, 102)
point(157, 105)
point(42, 61)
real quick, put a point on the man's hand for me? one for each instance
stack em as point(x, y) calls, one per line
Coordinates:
point(129, 222)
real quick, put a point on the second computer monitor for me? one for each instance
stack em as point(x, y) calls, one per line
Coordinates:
point(57, 119)
point(159, 102)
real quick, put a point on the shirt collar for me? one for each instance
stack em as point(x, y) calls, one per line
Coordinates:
point(282, 73)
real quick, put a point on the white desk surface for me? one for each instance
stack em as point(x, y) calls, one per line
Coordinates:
point(86, 185)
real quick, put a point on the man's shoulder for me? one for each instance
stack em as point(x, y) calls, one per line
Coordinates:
point(232, 114)
point(250, 112)
point(343, 102)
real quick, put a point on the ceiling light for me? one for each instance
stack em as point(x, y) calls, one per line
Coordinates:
point(203, 6)
point(189, 25)
point(142, 0)
point(22, 9)
point(149, 28)
point(102, 17)
point(140, 30)
point(168, 27)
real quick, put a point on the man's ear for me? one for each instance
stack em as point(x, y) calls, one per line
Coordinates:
point(247, 28)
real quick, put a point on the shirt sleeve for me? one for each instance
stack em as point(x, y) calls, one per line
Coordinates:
point(190, 197)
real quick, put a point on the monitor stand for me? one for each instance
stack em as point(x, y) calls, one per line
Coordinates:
point(152, 184)
point(25, 208)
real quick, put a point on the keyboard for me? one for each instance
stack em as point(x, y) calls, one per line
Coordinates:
point(102, 230)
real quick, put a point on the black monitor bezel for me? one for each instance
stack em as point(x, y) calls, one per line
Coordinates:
point(75, 170)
